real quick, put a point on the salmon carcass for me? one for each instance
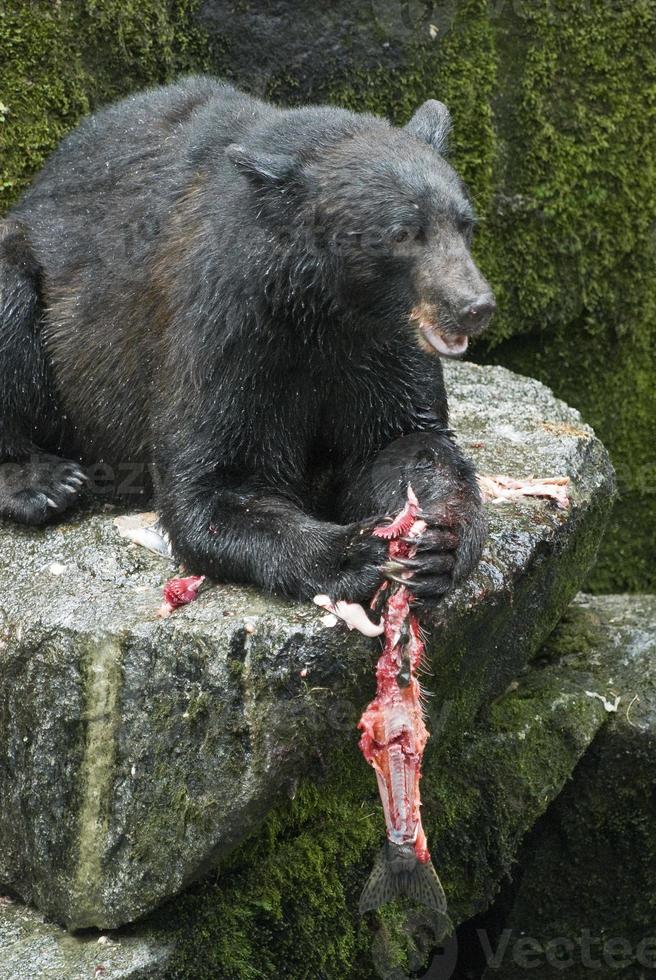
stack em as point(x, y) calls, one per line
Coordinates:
point(394, 735)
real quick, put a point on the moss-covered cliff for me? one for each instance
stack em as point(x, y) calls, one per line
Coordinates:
point(555, 111)
point(58, 60)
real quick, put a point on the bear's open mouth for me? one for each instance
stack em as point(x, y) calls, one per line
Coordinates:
point(448, 345)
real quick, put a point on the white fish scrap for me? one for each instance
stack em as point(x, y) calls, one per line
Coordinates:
point(610, 706)
point(498, 489)
point(146, 531)
point(352, 613)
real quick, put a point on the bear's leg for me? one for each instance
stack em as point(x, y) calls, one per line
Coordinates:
point(34, 485)
point(445, 484)
point(244, 536)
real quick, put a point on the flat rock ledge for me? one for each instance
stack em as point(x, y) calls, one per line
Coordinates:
point(136, 753)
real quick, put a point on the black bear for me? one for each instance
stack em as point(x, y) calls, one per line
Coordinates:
point(245, 306)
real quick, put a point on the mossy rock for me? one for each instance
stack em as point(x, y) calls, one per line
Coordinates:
point(585, 900)
point(284, 904)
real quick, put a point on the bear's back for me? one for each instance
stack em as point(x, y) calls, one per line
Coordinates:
point(133, 150)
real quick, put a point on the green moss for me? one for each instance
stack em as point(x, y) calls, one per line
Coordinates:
point(285, 903)
point(59, 60)
point(577, 635)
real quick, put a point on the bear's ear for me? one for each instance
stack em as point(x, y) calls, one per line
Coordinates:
point(432, 124)
point(261, 168)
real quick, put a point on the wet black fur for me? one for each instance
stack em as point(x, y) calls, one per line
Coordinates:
point(233, 327)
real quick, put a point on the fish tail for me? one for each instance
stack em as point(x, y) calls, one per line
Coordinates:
point(398, 872)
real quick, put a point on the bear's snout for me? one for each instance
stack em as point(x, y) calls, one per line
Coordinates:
point(475, 315)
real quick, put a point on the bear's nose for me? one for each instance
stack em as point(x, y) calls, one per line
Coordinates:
point(475, 315)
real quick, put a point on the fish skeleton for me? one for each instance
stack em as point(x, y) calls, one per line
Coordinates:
point(394, 736)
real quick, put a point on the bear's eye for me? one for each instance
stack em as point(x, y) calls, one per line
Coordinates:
point(408, 234)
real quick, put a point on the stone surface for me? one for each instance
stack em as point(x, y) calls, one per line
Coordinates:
point(135, 752)
point(31, 949)
point(578, 873)
point(302, 45)
point(577, 876)
point(586, 897)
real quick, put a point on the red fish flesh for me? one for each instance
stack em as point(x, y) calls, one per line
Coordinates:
point(180, 592)
point(393, 738)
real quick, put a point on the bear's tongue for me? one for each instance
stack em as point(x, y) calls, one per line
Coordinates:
point(448, 346)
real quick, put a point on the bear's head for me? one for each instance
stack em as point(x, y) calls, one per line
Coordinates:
point(382, 222)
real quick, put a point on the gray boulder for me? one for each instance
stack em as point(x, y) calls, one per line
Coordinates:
point(135, 752)
point(32, 949)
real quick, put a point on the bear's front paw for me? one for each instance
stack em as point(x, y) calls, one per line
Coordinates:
point(447, 552)
point(362, 558)
point(33, 491)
